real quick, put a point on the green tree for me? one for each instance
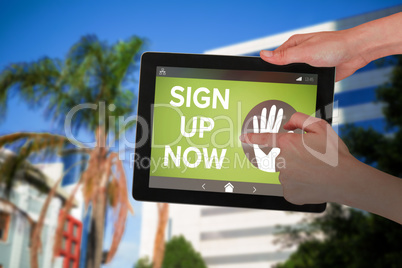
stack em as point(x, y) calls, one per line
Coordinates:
point(179, 253)
point(143, 262)
point(93, 72)
point(347, 237)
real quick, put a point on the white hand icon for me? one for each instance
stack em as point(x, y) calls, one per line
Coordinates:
point(266, 162)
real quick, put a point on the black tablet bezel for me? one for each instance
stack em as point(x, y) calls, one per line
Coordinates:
point(149, 62)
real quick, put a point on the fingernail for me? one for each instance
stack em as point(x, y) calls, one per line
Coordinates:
point(242, 138)
point(267, 53)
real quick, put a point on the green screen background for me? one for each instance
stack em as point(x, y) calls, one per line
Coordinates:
point(244, 96)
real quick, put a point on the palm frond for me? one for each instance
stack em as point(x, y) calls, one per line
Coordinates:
point(63, 217)
point(40, 140)
point(91, 176)
point(27, 144)
point(84, 68)
point(18, 210)
point(120, 203)
point(92, 72)
point(123, 60)
point(31, 80)
point(36, 243)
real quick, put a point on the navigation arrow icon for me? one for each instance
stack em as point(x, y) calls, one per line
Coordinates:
point(203, 186)
point(254, 189)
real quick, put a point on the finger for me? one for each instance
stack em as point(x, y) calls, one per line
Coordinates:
point(267, 139)
point(288, 52)
point(263, 119)
point(278, 121)
point(271, 119)
point(255, 124)
point(282, 56)
point(268, 54)
point(303, 122)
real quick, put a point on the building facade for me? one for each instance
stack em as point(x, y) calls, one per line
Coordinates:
point(234, 237)
point(22, 207)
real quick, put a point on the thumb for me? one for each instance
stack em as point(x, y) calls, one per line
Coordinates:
point(304, 122)
point(288, 52)
point(281, 56)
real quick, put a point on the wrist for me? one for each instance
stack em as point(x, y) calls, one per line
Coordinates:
point(364, 187)
point(376, 39)
point(346, 180)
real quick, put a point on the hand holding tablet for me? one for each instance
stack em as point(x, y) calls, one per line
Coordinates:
point(309, 176)
point(196, 106)
point(351, 182)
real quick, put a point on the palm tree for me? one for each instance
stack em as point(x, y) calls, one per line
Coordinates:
point(96, 73)
point(14, 167)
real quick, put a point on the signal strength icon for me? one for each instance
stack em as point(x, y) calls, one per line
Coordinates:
point(299, 79)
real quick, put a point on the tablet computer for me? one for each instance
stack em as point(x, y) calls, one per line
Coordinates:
point(192, 108)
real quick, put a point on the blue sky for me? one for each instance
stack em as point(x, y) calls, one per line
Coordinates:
point(30, 30)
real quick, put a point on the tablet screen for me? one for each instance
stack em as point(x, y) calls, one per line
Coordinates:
point(198, 115)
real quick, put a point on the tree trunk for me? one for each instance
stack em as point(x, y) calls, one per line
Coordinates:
point(95, 250)
point(91, 245)
point(95, 238)
point(100, 218)
point(159, 246)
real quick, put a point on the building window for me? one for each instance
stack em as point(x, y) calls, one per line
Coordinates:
point(71, 242)
point(73, 247)
point(4, 226)
point(75, 230)
point(64, 243)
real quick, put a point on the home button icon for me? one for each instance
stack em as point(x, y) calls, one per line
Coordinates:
point(229, 188)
